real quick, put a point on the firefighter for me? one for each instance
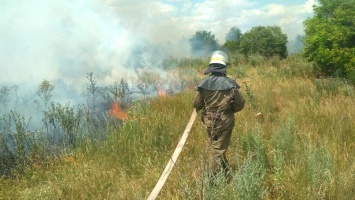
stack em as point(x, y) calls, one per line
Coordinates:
point(218, 97)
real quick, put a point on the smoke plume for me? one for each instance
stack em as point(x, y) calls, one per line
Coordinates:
point(64, 40)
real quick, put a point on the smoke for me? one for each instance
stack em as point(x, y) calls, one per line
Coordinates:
point(64, 40)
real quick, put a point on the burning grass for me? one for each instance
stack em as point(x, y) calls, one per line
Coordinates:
point(301, 146)
point(117, 111)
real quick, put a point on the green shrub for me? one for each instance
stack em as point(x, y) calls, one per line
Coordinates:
point(296, 66)
point(255, 60)
point(351, 77)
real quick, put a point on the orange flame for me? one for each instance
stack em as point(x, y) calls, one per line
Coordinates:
point(116, 110)
point(161, 93)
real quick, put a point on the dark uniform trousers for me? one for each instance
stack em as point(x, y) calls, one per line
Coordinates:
point(218, 108)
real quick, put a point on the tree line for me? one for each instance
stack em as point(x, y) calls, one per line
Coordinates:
point(267, 41)
point(329, 40)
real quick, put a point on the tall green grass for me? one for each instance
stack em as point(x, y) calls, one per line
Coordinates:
point(293, 140)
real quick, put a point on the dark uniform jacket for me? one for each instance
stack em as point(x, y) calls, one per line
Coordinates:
point(219, 98)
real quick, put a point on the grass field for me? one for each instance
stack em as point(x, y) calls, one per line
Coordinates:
point(294, 139)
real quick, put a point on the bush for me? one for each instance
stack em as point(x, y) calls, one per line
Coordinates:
point(255, 60)
point(296, 66)
point(329, 40)
point(351, 77)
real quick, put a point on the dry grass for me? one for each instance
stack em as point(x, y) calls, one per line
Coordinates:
point(293, 140)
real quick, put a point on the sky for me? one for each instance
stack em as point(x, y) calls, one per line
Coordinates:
point(66, 39)
point(218, 16)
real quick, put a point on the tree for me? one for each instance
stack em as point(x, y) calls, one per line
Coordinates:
point(233, 39)
point(93, 89)
point(203, 43)
point(4, 96)
point(330, 37)
point(266, 41)
point(44, 91)
point(296, 45)
point(120, 91)
point(234, 34)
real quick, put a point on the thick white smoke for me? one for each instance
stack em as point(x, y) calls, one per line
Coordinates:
point(65, 39)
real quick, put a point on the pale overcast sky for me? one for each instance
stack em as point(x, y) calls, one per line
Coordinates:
point(65, 39)
point(218, 16)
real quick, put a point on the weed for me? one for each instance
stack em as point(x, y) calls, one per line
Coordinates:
point(250, 96)
point(248, 181)
point(327, 86)
point(16, 141)
point(304, 152)
point(319, 169)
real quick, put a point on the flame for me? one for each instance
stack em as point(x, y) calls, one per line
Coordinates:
point(161, 93)
point(117, 111)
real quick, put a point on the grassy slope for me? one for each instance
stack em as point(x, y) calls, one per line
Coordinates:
point(300, 147)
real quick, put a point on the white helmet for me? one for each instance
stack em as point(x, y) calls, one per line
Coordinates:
point(219, 57)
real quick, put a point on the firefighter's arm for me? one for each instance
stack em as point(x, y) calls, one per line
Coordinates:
point(238, 101)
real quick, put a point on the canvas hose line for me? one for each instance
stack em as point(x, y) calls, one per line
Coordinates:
point(164, 176)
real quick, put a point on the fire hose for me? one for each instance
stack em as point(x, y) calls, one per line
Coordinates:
point(164, 176)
